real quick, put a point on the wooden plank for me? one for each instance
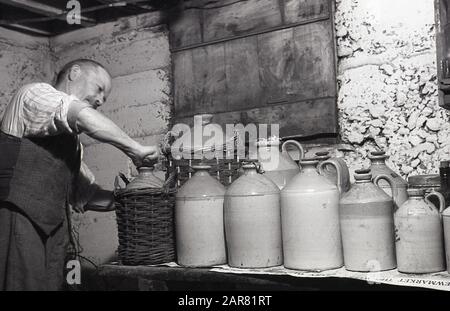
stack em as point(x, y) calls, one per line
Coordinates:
point(305, 118)
point(276, 68)
point(241, 17)
point(200, 83)
point(211, 78)
point(25, 28)
point(185, 93)
point(185, 28)
point(314, 64)
point(303, 10)
point(297, 63)
point(242, 74)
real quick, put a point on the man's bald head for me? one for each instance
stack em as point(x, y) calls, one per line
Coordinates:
point(86, 66)
point(86, 79)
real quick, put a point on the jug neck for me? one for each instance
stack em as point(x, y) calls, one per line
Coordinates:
point(415, 194)
point(145, 170)
point(250, 169)
point(309, 165)
point(363, 176)
point(322, 156)
point(201, 170)
point(378, 157)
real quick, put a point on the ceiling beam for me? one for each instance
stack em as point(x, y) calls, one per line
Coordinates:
point(28, 29)
point(46, 10)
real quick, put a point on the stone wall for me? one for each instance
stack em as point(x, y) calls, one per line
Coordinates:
point(23, 59)
point(387, 84)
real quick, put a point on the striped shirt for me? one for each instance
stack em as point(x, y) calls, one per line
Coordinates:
point(39, 110)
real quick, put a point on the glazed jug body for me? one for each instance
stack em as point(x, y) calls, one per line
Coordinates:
point(446, 221)
point(367, 226)
point(378, 167)
point(419, 235)
point(252, 221)
point(278, 166)
point(199, 221)
point(310, 221)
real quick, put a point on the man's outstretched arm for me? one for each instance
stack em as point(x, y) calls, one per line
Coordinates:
point(93, 123)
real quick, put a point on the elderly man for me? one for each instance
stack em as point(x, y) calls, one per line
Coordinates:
point(41, 172)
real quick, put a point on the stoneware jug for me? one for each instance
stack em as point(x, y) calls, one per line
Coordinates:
point(429, 183)
point(278, 166)
point(446, 220)
point(327, 168)
point(378, 167)
point(419, 239)
point(310, 221)
point(145, 179)
point(199, 220)
point(252, 221)
point(367, 225)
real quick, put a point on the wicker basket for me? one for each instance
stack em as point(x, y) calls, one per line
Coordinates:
point(145, 219)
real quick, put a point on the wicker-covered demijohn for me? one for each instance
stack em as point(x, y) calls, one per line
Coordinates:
point(145, 219)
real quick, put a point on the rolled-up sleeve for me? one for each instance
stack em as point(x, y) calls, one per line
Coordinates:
point(45, 111)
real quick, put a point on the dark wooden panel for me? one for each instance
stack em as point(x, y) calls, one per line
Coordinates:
point(185, 28)
point(200, 84)
point(297, 63)
point(303, 10)
point(185, 90)
point(209, 69)
point(295, 119)
point(276, 64)
point(242, 72)
point(241, 17)
point(314, 72)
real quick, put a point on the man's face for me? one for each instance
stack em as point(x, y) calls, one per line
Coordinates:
point(92, 85)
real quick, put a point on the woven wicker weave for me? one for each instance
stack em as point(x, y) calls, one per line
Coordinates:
point(145, 219)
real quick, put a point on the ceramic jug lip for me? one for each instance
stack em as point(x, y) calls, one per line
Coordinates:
point(145, 168)
point(415, 192)
point(322, 153)
point(428, 180)
point(309, 161)
point(377, 155)
point(363, 174)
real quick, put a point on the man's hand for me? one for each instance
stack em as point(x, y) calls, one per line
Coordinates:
point(144, 155)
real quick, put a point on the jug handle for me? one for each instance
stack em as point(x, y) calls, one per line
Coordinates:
point(296, 144)
point(339, 181)
point(391, 184)
point(440, 197)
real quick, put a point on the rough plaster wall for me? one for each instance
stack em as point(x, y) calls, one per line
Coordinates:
point(387, 84)
point(23, 59)
point(136, 52)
